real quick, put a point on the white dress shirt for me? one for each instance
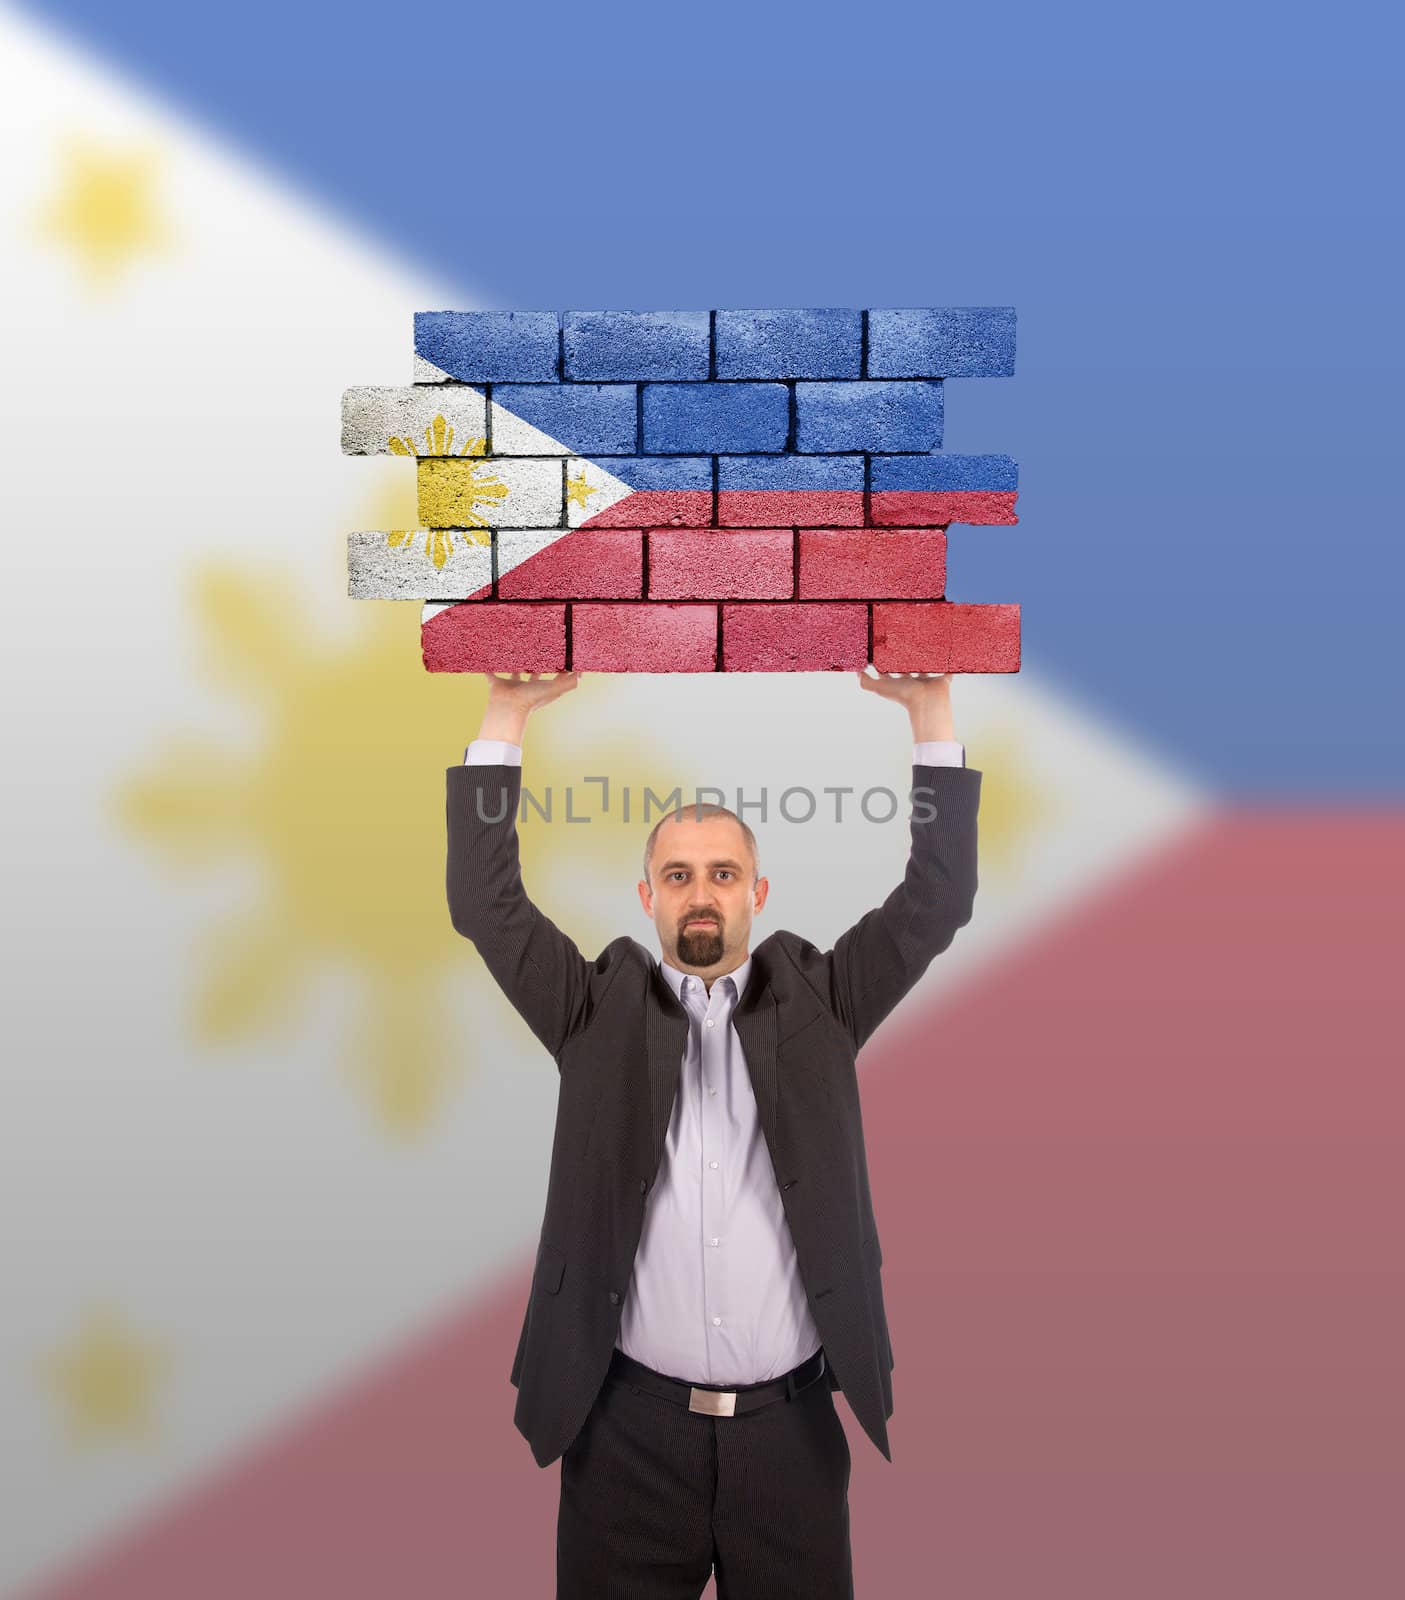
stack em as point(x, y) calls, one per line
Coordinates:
point(716, 1295)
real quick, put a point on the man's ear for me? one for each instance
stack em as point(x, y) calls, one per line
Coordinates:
point(645, 898)
point(763, 888)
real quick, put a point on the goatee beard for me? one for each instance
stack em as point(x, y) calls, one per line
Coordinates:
point(700, 947)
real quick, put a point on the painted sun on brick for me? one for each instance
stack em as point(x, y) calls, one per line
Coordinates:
point(689, 491)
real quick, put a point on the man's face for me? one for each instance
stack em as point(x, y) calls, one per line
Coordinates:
point(701, 894)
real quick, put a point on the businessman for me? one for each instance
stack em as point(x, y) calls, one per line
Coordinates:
point(708, 1270)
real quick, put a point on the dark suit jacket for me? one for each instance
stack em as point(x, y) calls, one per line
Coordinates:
point(618, 1034)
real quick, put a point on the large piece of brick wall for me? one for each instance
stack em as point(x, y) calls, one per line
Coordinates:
point(689, 491)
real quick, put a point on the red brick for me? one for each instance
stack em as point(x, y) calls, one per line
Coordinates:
point(942, 637)
point(683, 508)
point(721, 564)
point(589, 563)
point(794, 637)
point(985, 638)
point(800, 508)
point(643, 638)
point(863, 563)
point(927, 508)
point(495, 636)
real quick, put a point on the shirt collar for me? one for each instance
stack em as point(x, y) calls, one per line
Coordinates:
point(675, 978)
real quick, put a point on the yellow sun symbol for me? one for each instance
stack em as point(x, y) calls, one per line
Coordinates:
point(439, 441)
point(342, 806)
point(470, 490)
point(1012, 802)
point(105, 1379)
point(105, 210)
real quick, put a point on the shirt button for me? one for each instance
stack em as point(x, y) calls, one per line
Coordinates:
point(714, 1241)
point(717, 1322)
point(712, 1091)
point(711, 1022)
point(712, 1163)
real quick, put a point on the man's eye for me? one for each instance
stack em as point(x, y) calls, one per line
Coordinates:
point(726, 872)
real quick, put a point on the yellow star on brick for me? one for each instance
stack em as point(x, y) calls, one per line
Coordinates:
point(105, 211)
point(105, 1379)
point(578, 491)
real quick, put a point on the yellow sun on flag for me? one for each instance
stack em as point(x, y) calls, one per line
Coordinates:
point(438, 441)
point(438, 542)
point(464, 492)
point(341, 807)
point(104, 1379)
point(105, 210)
point(1012, 801)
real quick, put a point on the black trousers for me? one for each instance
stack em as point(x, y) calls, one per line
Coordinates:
point(654, 1496)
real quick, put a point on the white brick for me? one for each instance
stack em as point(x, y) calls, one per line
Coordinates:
point(494, 491)
point(602, 489)
point(514, 437)
point(516, 545)
point(401, 566)
point(372, 418)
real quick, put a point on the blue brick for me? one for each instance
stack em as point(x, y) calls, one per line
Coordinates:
point(490, 346)
point(714, 417)
point(944, 472)
point(589, 419)
point(790, 472)
point(663, 472)
point(868, 416)
point(606, 345)
point(789, 344)
point(942, 342)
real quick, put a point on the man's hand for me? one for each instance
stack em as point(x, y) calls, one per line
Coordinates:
point(927, 696)
point(513, 696)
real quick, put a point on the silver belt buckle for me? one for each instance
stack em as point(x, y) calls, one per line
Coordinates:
point(713, 1402)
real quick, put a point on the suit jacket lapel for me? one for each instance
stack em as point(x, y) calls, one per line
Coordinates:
point(666, 1036)
point(755, 1022)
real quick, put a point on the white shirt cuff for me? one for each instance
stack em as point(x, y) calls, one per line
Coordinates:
point(939, 753)
point(487, 752)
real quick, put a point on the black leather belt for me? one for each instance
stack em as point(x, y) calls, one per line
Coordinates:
point(712, 1399)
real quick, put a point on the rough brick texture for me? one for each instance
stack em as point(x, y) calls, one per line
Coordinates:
point(789, 344)
point(490, 346)
point(421, 562)
point(470, 492)
point(713, 418)
point(942, 637)
point(942, 342)
point(865, 563)
point(643, 638)
point(868, 416)
point(602, 345)
point(412, 421)
point(494, 636)
point(690, 491)
point(534, 419)
point(794, 638)
point(721, 564)
point(594, 563)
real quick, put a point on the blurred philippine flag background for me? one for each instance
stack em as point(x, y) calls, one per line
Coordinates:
point(273, 1147)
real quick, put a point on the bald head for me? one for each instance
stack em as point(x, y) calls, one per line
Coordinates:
point(702, 812)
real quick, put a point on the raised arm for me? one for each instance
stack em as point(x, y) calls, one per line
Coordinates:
point(877, 961)
point(538, 967)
